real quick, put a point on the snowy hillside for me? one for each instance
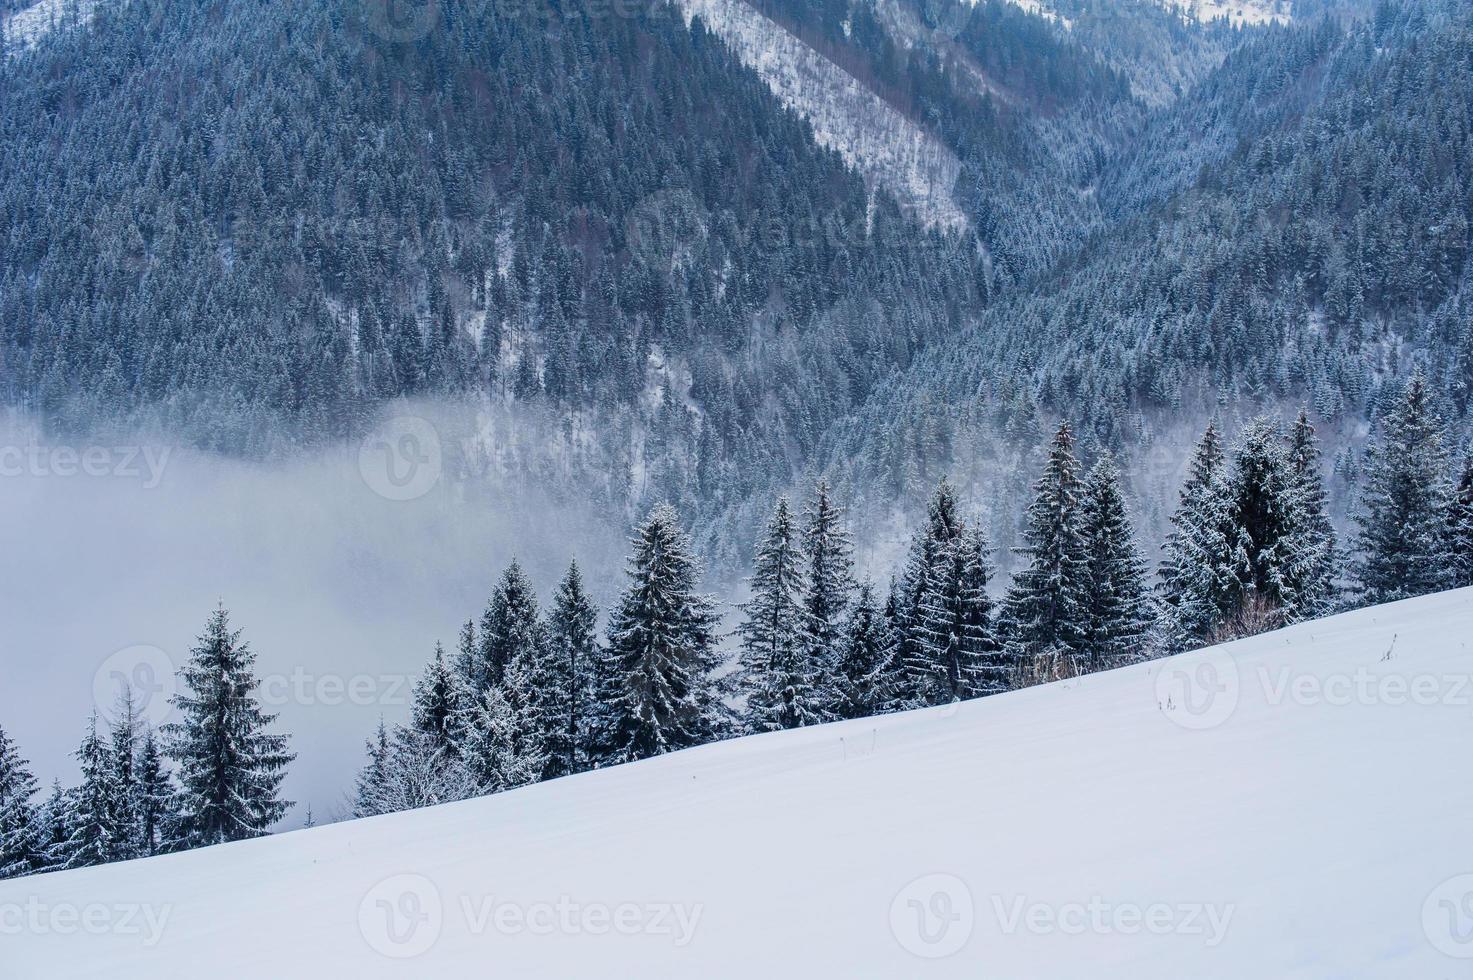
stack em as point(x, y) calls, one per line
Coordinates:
point(1279, 807)
point(26, 27)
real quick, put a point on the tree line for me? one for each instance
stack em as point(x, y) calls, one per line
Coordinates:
point(530, 694)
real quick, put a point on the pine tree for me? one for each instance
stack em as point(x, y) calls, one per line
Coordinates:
point(156, 811)
point(422, 773)
point(371, 791)
point(1199, 585)
point(1045, 607)
point(924, 566)
point(125, 735)
point(1262, 512)
point(496, 757)
point(859, 676)
point(1460, 529)
point(230, 769)
point(1313, 545)
point(510, 629)
point(53, 827)
point(958, 655)
point(574, 661)
point(828, 566)
point(1401, 544)
point(93, 834)
point(1117, 612)
point(21, 846)
point(439, 700)
point(662, 648)
point(897, 690)
point(778, 676)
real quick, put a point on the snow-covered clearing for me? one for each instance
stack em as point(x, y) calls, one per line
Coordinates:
point(1290, 806)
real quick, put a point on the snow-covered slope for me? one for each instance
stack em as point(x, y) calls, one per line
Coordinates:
point(1295, 805)
point(1238, 12)
point(26, 27)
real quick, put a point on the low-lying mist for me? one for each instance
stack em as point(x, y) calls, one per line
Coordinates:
point(343, 568)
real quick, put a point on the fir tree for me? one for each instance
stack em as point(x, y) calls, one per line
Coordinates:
point(1263, 518)
point(439, 700)
point(1401, 544)
point(828, 566)
point(93, 834)
point(1045, 607)
point(230, 768)
point(371, 791)
point(958, 655)
point(496, 757)
point(859, 676)
point(778, 675)
point(662, 648)
point(156, 812)
point(1199, 585)
point(510, 629)
point(1460, 529)
point(1116, 607)
point(898, 689)
point(22, 849)
point(1313, 545)
point(125, 735)
point(574, 660)
point(922, 570)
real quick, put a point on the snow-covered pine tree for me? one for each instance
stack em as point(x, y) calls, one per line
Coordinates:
point(828, 585)
point(1199, 585)
point(1263, 516)
point(230, 768)
point(574, 659)
point(778, 676)
point(468, 655)
point(93, 834)
point(440, 700)
point(1044, 612)
point(511, 628)
point(422, 773)
point(1401, 542)
point(21, 846)
point(1314, 545)
point(662, 648)
point(157, 815)
point(495, 755)
point(53, 826)
point(1117, 607)
point(1460, 528)
point(898, 690)
point(928, 553)
point(125, 735)
point(371, 792)
point(958, 655)
point(857, 689)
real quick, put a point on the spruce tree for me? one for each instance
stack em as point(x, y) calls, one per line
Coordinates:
point(958, 655)
point(156, 812)
point(1460, 529)
point(923, 569)
point(898, 689)
point(1199, 585)
point(125, 736)
point(828, 584)
point(230, 768)
point(1263, 519)
point(574, 661)
point(511, 628)
point(662, 648)
point(93, 835)
point(439, 700)
point(1401, 542)
point(495, 755)
point(21, 846)
point(778, 676)
point(1314, 545)
point(371, 791)
point(859, 675)
point(1117, 610)
point(1045, 606)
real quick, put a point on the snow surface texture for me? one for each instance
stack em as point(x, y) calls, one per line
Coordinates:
point(1238, 12)
point(1289, 806)
point(25, 28)
point(871, 136)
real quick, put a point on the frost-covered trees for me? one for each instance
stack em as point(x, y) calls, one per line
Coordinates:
point(1199, 585)
point(957, 653)
point(440, 698)
point(497, 753)
point(779, 676)
point(858, 684)
point(156, 807)
point(574, 661)
point(1116, 601)
point(230, 767)
point(1045, 607)
point(1314, 545)
point(1460, 529)
point(21, 846)
point(662, 648)
point(510, 630)
point(828, 569)
point(93, 835)
point(1401, 540)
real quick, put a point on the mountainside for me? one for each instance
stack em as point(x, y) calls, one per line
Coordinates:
point(1198, 816)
